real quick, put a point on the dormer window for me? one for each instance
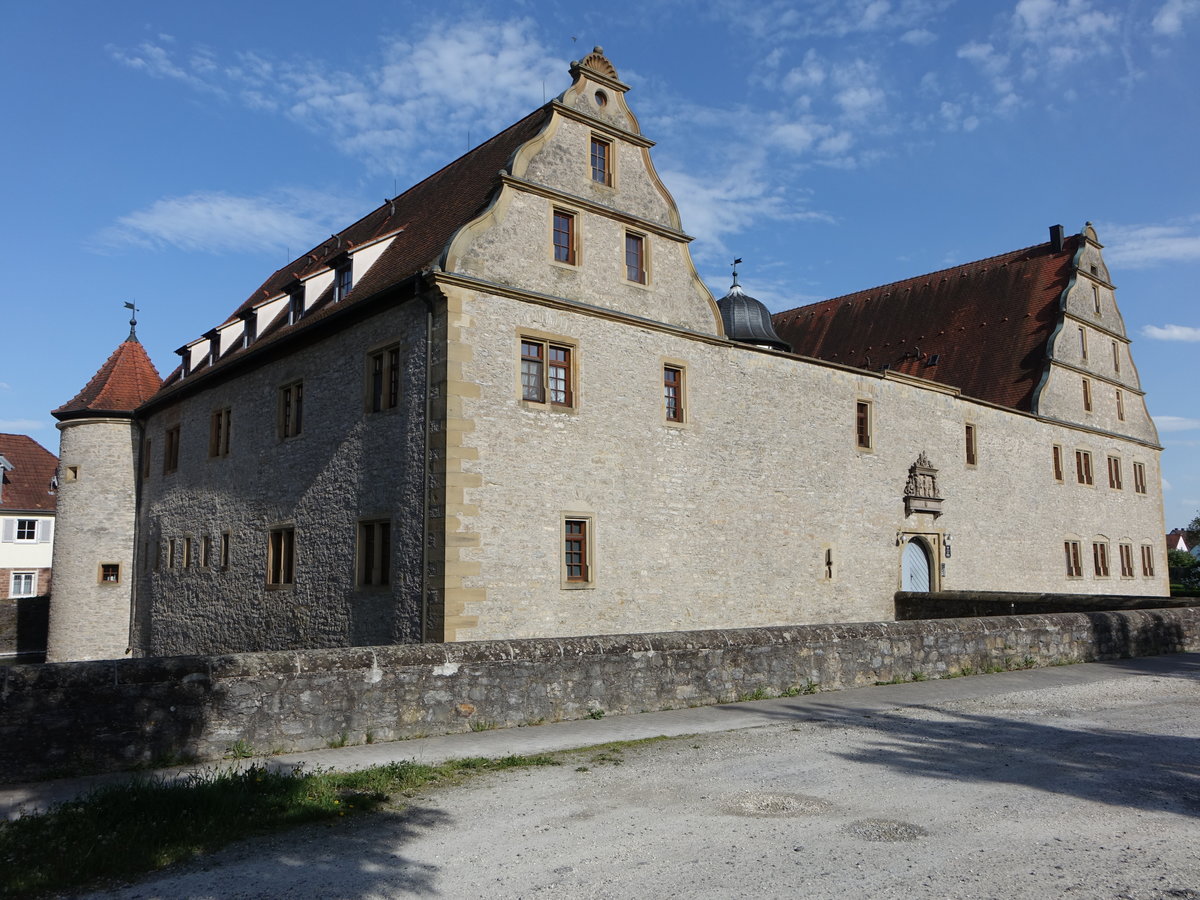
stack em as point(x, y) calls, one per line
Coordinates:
point(295, 304)
point(214, 346)
point(185, 361)
point(249, 326)
point(343, 280)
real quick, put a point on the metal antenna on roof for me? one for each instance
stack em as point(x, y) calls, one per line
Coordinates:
point(132, 322)
point(737, 262)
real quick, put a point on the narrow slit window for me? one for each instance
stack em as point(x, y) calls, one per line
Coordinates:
point(862, 425)
point(673, 393)
point(1120, 405)
point(971, 449)
point(1083, 344)
point(1116, 352)
point(1087, 395)
point(374, 553)
point(1058, 463)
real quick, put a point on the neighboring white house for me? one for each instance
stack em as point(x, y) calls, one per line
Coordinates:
point(28, 498)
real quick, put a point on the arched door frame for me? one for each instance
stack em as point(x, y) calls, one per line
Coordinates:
point(931, 543)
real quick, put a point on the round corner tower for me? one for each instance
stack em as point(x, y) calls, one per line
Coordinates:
point(99, 448)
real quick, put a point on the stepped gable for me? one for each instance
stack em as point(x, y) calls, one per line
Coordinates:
point(423, 219)
point(126, 381)
point(27, 483)
point(982, 327)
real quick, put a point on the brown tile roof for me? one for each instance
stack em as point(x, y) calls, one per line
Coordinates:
point(27, 485)
point(982, 327)
point(126, 381)
point(424, 219)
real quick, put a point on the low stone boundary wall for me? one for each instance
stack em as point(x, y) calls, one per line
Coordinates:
point(963, 604)
point(67, 718)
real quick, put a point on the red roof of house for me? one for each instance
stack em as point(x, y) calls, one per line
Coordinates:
point(982, 327)
point(27, 484)
point(126, 381)
point(424, 219)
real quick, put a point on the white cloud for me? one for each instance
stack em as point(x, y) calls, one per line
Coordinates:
point(918, 37)
point(1143, 246)
point(1176, 423)
point(20, 426)
point(806, 76)
point(1170, 17)
point(215, 222)
point(5, 386)
point(1172, 333)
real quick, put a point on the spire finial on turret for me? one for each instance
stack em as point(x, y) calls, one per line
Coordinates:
point(737, 262)
point(132, 322)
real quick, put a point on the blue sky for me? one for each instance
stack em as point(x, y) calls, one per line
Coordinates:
point(177, 154)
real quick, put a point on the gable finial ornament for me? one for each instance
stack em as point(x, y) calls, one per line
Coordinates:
point(133, 311)
point(921, 490)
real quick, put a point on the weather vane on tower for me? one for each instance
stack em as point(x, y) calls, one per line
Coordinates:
point(132, 320)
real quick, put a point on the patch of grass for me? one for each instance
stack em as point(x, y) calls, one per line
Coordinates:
point(919, 676)
point(759, 693)
point(124, 830)
point(340, 741)
point(596, 714)
point(482, 725)
point(239, 749)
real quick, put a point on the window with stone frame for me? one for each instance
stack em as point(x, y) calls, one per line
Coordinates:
point(1120, 405)
point(1116, 354)
point(673, 393)
point(171, 450)
point(291, 409)
point(1058, 463)
point(972, 450)
point(864, 438)
point(218, 432)
point(1100, 558)
point(635, 257)
point(547, 373)
point(374, 553)
point(1147, 560)
point(577, 566)
point(1074, 559)
point(383, 379)
point(1114, 473)
point(1139, 478)
point(1083, 467)
point(226, 539)
point(1087, 395)
point(601, 158)
point(110, 573)
point(1125, 552)
point(564, 237)
point(281, 557)
point(1083, 353)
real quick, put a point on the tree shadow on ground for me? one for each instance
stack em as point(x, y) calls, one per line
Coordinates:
point(360, 857)
point(1138, 770)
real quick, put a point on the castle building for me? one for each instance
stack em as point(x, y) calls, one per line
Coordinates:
point(504, 405)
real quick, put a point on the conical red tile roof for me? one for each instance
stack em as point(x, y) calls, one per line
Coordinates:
point(126, 381)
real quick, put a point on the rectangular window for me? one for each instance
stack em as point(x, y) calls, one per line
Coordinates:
point(1058, 463)
point(1074, 561)
point(972, 456)
point(673, 393)
point(564, 237)
point(187, 552)
point(291, 409)
point(601, 161)
point(296, 305)
point(24, 584)
point(635, 258)
point(281, 557)
point(225, 537)
point(1114, 473)
point(218, 433)
point(343, 280)
point(170, 553)
point(1096, 298)
point(1126, 553)
point(1120, 405)
point(27, 531)
point(171, 450)
point(1139, 477)
point(1147, 561)
point(383, 386)
point(1100, 559)
point(1087, 395)
point(374, 553)
point(1116, 357)
point(110, 573)
point(862, 424)
point(1083, 344)
point(1083, 467)
point(546, 372)
point(206, 551)
point(575, 550)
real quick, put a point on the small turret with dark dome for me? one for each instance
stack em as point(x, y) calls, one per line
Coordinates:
point(747, 320)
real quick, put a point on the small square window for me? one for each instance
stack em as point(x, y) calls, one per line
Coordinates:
point(546, 372)
point(24, 584)
point(110, 573)
point(27, 531)
point(71, 473)
point(383, 379)
point(673, 393)
point(601, 161)
point(564, 237)
point(291, 409)
point(374, 553)
point(635, 258)
point(281, 557)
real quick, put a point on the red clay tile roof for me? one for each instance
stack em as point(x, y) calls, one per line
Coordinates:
point(27, 485)
point(123, 384)
point(424, 219)
point(986, 323)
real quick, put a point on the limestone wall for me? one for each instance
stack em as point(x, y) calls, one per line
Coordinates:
point(346, 465)
point(60, 719)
